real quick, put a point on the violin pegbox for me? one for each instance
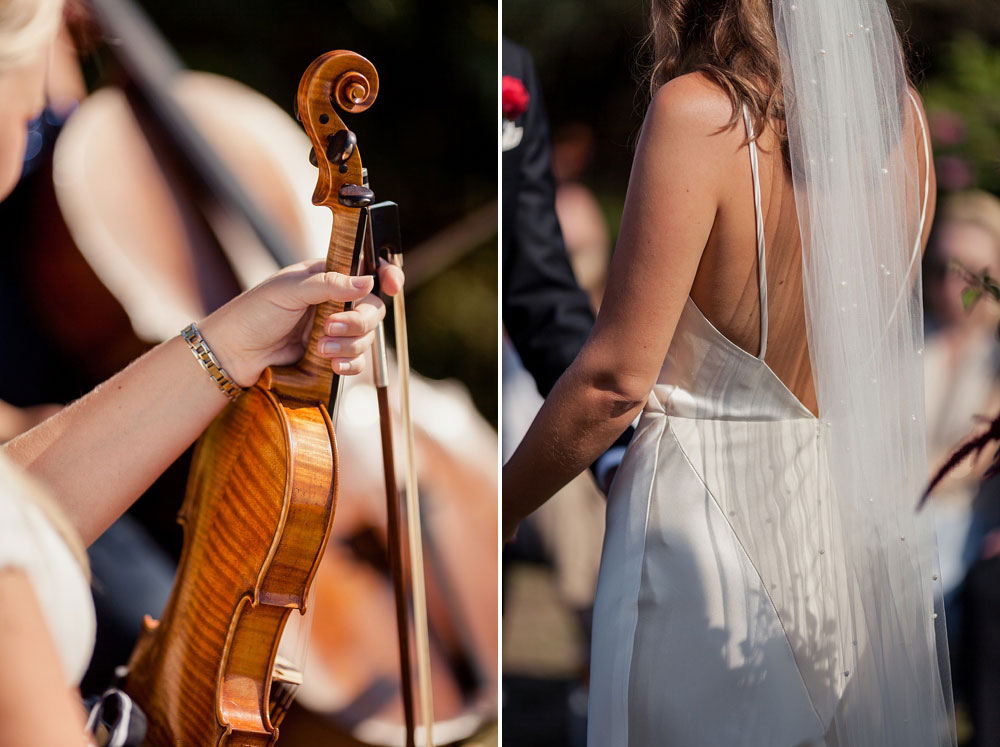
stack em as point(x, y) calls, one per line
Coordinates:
point(345, 80)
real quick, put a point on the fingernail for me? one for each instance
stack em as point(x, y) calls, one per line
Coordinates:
point(343, 366)
point(329, 346)
point(336, 328)
point(361, 282)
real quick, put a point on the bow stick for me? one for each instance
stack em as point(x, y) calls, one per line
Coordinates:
point(385, 231)
point(380, 372)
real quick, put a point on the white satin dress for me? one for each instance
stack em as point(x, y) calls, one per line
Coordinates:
point(715, 621)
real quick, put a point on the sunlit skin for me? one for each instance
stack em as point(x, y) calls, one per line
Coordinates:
point(98, 455)
point(687, 228)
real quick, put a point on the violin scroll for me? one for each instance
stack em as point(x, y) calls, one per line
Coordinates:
point(337, 79)
point(354, 92)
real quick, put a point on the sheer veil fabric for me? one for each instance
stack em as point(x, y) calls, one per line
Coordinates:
point(855, 156)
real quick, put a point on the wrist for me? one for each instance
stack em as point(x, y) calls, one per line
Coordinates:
point(209, 362)
point(241, 369)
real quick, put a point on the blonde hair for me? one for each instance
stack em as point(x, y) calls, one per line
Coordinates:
point(18, 482)
point(26, 28)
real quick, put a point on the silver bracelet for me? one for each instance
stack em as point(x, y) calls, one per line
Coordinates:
point(209, 362)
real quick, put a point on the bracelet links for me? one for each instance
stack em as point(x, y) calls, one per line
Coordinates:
point(209, 362)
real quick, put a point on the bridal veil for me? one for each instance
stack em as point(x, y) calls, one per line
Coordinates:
point(858, 149)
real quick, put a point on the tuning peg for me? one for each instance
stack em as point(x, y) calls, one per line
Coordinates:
point(340, 146)
point(355, 195)
point(312, 157)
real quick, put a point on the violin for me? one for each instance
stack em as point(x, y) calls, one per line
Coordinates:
point(261, 493)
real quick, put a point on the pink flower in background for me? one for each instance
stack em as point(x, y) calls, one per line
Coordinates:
point(514, 97)
point(947, 127)
point(953, 172)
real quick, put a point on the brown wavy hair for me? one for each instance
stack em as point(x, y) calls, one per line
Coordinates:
point(731, 41)
point(734, 43)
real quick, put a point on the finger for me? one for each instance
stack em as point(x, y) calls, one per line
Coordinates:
point(363, 318)
point(372, 310)
point(318, 287)
point(390, 278)
point(348, 366)
point(308, 266)
point(345, 347)
point(299, 270)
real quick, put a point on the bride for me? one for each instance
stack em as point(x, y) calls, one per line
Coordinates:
point(765, 579)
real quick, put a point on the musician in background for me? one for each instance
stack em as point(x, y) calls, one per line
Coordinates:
point(66, 480)
point(64, 87)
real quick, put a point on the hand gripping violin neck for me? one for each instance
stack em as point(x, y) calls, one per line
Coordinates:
point(261, 493)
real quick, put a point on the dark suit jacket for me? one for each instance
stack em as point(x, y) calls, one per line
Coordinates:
point(546, 314)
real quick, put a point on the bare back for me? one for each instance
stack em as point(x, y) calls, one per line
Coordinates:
point(726, 286)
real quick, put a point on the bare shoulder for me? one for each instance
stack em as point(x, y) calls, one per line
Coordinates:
point(687, 129)
point(686, 137)
point(692, 105)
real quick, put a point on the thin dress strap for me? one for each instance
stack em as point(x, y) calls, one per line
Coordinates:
point(918, 244)
point(761, 267)
point(927, 178)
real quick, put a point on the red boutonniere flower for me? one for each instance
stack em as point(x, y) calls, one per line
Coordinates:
point(514, 97)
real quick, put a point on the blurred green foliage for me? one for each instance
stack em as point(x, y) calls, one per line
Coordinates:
point(456, 312)
point(429, 141)
point(962, 98)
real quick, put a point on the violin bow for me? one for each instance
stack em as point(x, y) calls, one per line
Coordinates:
point(382, 221)
point(385, 229)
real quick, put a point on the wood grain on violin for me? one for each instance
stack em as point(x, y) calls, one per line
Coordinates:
point(260, 498)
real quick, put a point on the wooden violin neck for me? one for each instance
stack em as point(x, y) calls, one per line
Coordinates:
point(312, 378)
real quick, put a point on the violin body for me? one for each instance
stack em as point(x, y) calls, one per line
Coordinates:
point(256, 517)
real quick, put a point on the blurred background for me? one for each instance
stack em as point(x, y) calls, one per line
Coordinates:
point(125, 227)
point(590, 60)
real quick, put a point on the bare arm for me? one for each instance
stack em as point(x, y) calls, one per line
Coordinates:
point(670, 209)
point(99, 454)
point(36, 705)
